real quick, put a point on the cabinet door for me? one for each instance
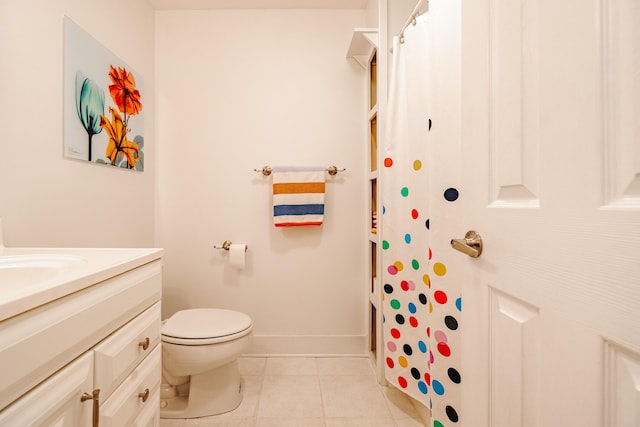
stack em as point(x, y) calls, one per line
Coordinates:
point(56, 402)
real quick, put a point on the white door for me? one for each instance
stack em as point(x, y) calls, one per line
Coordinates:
point(551, 180)
point(58, 401)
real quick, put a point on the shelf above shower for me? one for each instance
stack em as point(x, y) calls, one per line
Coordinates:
point(362, 43)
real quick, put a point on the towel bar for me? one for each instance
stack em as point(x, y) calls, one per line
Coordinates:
point(266, 170)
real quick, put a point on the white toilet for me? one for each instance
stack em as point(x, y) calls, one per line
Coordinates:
point(200, 348)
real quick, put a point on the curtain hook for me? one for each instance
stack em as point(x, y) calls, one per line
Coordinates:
point(401, 38)
point(413, 20)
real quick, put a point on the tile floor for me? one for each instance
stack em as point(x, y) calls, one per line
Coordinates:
point(312, 392)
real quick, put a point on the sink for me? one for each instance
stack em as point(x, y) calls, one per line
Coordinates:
point(24, 270)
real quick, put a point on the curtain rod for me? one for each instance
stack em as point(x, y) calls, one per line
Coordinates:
point(421, 7)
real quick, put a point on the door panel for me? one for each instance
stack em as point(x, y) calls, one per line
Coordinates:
point(621, 55)
point(513, 109)
point(515, 349)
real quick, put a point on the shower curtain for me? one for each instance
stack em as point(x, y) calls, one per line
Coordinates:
point(422, 301)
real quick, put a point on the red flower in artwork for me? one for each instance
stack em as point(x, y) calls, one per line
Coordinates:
point(123, 91)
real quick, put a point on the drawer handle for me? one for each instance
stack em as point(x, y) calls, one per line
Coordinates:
point(144, 396)
point(144, 343)
point(95, 397)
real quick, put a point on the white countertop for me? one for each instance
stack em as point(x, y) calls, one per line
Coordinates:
point(41, 275)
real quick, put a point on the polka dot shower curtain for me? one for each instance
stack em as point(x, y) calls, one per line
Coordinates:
point(422, 301)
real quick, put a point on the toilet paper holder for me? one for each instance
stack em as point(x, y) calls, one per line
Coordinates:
point(226, 245)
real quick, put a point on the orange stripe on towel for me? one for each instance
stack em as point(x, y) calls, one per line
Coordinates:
point(298, 187)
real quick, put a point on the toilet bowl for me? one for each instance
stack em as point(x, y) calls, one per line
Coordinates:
point(200, 348)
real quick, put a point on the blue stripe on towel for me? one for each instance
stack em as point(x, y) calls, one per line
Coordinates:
point(298, 210)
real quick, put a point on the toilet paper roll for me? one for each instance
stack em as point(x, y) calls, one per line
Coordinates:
point(237, 253)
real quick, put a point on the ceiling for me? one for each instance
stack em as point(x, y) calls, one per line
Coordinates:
point(258, 4)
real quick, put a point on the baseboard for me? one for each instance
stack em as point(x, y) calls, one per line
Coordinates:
point(308, 345)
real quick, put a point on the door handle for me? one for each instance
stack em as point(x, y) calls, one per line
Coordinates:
point(95, 398)
point(470, 245)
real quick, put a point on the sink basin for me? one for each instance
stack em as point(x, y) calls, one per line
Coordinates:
point(23, 270)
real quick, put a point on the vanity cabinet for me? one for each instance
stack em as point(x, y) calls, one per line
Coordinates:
point(89, 358)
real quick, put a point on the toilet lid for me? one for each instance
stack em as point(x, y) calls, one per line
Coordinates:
point(203, 323)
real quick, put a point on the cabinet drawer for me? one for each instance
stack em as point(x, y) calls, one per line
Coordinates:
point(126, 404)
point(118, 355)
point(150, 415)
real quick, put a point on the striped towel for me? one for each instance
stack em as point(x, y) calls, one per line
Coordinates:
point(298, 196)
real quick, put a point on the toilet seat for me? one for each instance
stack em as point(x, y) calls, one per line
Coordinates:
point(203, 326)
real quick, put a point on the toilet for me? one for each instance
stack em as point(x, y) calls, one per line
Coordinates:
point(200, 349)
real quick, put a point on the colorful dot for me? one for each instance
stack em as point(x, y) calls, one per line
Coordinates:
point(438, 388)
point(402, 382)
point(451, 322)
point(388, 162)
point(388, 289)
point(459, 304)
point(440, 297)
point(393, 270)
point(451, 194)
point(395, 333)
point(437, 423)
point(440, 269)
point(402, 361)
point(422, 387)
point(398, 265)
point(414, 213)
point(452, 414)
point(385, 245)
point(412, 308)
point(430, 254)
point(444, 349)
point(426, 224)
point(404, 285)
point(404, 191)
point(417, 165)
point(413, 321)
point(439, 336)
point(429, 125)
point(412, 286)
point(426, 280)
point(422, 298)
point(395, 304)
point(407, 238)
point(407, 349)
point(415, 373)
point(390, 362)
point(392, 346)
point(400, 319)
point(415, 264)
point(422, 347)
point(454, 375)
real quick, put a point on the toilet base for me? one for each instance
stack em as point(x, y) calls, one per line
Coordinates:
point(210, 393)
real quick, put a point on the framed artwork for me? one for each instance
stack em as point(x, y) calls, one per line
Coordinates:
point(103, 104)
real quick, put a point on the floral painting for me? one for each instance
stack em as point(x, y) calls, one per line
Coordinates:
point(103, 104)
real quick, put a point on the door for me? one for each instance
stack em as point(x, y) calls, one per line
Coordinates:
point(58, 401)
point(550, 166)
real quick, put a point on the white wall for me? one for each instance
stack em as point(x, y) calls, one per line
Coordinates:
point(236, 90)
point(45, 199)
